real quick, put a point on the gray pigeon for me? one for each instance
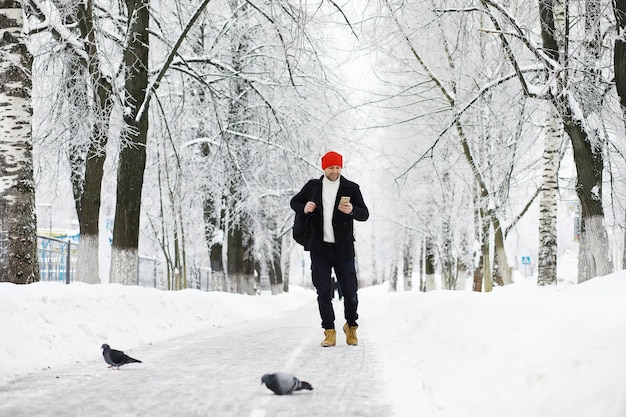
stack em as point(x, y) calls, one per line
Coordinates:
point(116, 358)
point(282, 383)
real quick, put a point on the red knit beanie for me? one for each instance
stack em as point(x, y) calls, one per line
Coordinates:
point(332, 159)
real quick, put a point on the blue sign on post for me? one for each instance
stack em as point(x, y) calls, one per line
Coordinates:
point(525, 260)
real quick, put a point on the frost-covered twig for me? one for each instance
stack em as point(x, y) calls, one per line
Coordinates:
point(155, 84)
point(50, 20)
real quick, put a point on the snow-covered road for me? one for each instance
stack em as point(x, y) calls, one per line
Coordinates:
point(216, 372)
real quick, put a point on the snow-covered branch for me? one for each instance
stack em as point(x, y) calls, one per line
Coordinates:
point(49, 19)
point(214, 141)
point(456, 115)
point(157, 81)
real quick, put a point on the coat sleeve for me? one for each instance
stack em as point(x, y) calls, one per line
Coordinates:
point(299, 200)
point(359, 209)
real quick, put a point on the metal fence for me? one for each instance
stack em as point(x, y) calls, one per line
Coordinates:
point(200, 278)
point(58, 259)
point(147, 273)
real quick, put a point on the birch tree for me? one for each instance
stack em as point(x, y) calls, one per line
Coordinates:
point(92, 90)
point(547, 259)
point(578, 97)
point(408, 257)
point(89, 97)
point(576, 91)
point(488, 145)
point(18, 226)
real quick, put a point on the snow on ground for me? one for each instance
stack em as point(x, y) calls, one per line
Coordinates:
point(521, 350)
point(47, 325)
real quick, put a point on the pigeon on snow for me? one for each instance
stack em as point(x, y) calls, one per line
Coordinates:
point(282, 383)
point(116, 358)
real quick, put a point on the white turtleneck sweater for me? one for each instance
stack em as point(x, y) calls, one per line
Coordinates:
point(329, 196)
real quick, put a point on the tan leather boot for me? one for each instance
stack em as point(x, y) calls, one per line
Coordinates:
point(331, 338)
point(350, 332)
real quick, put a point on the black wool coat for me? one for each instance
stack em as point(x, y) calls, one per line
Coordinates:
point(343, 224)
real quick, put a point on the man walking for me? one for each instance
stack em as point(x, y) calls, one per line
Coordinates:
point(332, 203)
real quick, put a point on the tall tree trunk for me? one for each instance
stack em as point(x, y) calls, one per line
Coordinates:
point(407, 271)
point(594, 254)
point(18, 224)
point(447, 256)
point(422, 287)
point(548, 202)
point(477, 284)
point(88, 200)
point(619, 67)
point(465, 261)
point(240, 264)
point(483, 279)
point(214, 237)
point(484, 248)
point(132, 159)
point(477, 276)
point(429, 266)
point(287, 263)
point(213, 232)
point(448, 273)
point(393, 277)
point(239, 241)
point(503, 273)
point(275, 269)
point(171, 233)
point(87, 96)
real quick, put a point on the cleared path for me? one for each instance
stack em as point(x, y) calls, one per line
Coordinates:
point(216, 372)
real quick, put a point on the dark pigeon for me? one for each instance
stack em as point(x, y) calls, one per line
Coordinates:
point(282, 383)
point(116, 358)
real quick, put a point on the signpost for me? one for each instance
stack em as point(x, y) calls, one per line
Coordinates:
point(526, 263)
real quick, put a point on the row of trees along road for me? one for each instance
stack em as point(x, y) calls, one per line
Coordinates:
point(483, 94)
point(223, 102)
point(483, 82)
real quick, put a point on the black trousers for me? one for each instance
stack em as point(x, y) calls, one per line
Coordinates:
point(345, 270)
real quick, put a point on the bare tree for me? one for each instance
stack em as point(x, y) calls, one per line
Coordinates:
point(18, 233)
point(250, 132)
point(87, 193)
point(84, 102)
point(585, 85)
point(576, 91)
point(132, 157)
point(573, 83)
point(489, 147)
point(88, 95)
point(619, 67)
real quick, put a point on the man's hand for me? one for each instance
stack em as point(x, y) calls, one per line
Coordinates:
point(345, 207)
point(310, 207)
